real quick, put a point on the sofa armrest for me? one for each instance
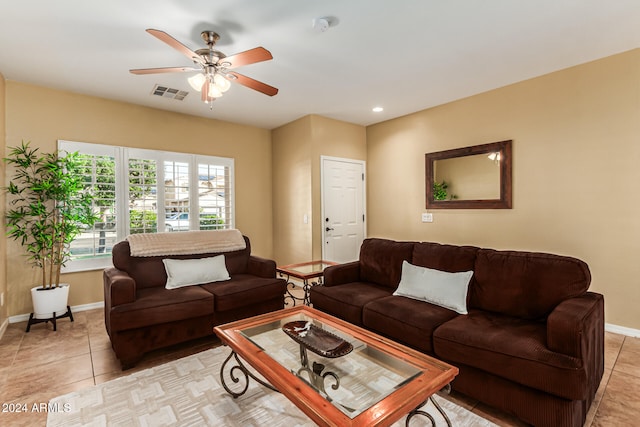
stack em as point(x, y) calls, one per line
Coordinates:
point(119, 287)
point(576, 327)
point(261, 267)
point(342, 273)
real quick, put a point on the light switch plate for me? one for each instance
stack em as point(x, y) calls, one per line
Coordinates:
point(427, 217)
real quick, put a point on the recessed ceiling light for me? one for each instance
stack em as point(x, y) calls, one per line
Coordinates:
point(377, 109)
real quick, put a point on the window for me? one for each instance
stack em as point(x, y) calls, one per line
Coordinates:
point(146, 191)
point(141, 196)
point(214, 196)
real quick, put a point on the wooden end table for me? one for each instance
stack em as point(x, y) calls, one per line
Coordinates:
point(305, 271)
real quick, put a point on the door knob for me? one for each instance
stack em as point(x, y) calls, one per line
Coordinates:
point(328, 229)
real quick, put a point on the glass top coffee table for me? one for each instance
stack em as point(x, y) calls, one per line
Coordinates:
point(335, 372)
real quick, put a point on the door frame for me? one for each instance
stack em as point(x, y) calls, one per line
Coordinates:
point(363, 163)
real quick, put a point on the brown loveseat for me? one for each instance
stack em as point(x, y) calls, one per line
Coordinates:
point(532, 343)
point(141, 315)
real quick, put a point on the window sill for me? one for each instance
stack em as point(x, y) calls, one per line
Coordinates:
point(87, 265)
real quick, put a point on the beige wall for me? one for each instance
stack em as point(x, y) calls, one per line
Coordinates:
point(3, 245)
point(292, 197)
point(576, 171)
point(45, 115)
point(297, 148)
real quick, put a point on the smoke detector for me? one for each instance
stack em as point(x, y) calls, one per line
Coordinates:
point(320, 25)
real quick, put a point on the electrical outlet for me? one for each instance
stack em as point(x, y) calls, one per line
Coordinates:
point(427, 217)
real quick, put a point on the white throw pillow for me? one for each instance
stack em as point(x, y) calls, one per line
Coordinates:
point(187, 272)
point(448, 290)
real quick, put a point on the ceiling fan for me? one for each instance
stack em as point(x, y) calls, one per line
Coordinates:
point(214, 67)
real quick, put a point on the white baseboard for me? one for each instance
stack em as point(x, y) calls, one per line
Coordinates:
point(622, 330)
point(83, 307)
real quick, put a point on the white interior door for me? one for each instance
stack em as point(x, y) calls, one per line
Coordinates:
point(343, 208)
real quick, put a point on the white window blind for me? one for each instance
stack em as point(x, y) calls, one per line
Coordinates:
point(142, 193)
point(98, 172)
point(214, 196)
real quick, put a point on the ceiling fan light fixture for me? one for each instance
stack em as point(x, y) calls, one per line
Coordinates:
point(197, 81)
point(214, 91)
point(221, 83)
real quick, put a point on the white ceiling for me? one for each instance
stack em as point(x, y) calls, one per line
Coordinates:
point(404, 55)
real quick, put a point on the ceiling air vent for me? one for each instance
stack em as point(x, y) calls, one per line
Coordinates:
point(167, 92)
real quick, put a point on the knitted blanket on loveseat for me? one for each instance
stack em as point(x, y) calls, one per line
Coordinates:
point(186, 243)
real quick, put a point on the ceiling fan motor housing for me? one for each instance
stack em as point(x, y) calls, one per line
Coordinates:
point(211, 56)
point(210, 37)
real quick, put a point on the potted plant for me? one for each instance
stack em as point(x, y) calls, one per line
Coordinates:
point(440, 191)
point(49, 207)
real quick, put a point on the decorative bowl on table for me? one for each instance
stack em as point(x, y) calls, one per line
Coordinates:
point(316, 339)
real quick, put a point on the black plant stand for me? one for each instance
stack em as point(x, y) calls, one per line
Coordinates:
point(33, 321)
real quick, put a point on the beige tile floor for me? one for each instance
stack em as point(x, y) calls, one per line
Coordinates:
point(42, 364)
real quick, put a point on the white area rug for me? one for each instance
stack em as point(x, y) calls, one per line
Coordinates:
point(188, 392)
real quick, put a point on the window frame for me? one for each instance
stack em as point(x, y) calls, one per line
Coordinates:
point(121, 157)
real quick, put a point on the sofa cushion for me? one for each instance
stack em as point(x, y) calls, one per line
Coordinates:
point(406, 320)
point(448, 290)
point(511, 348)
point(525, 284)
point(381, 261)
point(346, 301)
point(243, 290)
point(159, 305)
point(189, 272)
point(444, 257)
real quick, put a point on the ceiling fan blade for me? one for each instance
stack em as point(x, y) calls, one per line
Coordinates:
point(252, 84)
point(247, 57)
point(176, 45)
point(163, 70)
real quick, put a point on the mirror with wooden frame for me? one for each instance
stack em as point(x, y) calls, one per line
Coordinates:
point(477, 177)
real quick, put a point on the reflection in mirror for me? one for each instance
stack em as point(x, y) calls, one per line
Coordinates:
point(470, 177)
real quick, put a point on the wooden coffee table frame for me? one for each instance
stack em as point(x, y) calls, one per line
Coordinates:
point(407, 399)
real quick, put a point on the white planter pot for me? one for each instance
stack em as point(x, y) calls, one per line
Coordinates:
point(49, 301)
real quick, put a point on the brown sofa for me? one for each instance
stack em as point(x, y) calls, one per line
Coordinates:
point(531, 345)
point(141, 315)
